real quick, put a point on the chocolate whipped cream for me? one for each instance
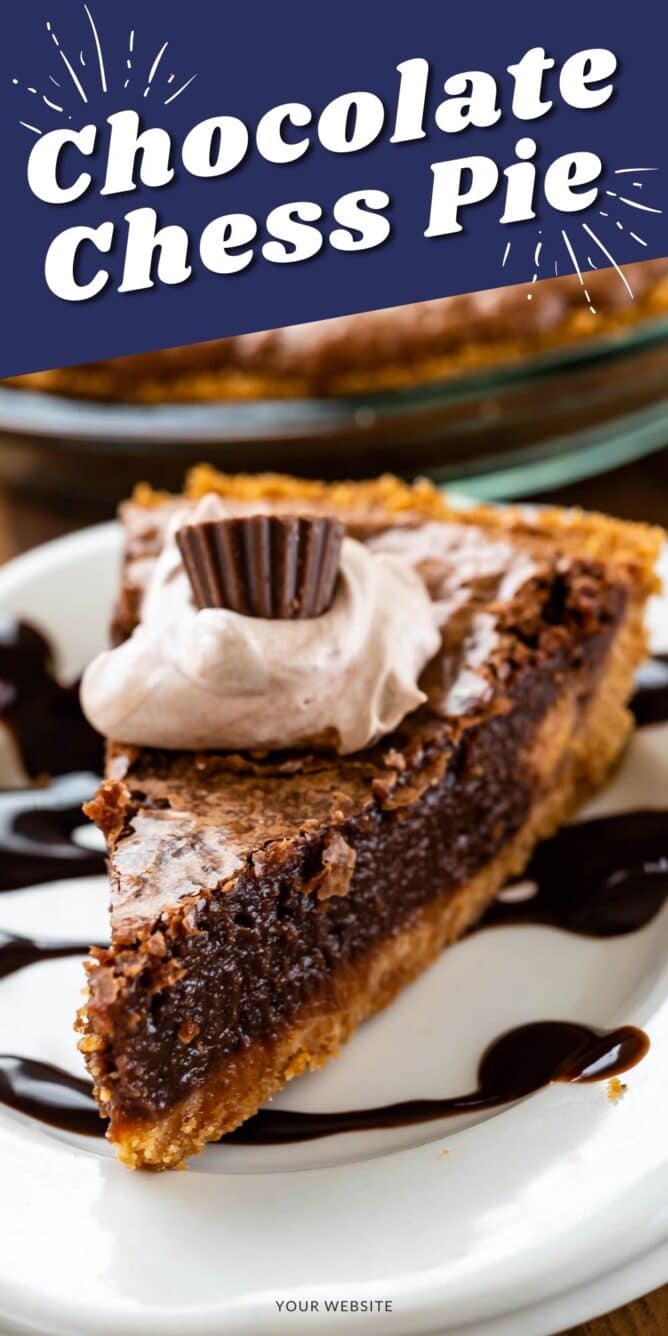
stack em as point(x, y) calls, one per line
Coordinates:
point(464, 569)
point(459, 563)
point(214, 679)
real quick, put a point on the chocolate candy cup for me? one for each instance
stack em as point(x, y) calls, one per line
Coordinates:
point(274, 566)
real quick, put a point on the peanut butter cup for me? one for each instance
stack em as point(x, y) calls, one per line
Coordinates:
point(272, 566)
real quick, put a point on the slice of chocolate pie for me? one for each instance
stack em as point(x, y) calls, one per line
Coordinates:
point(303, 807)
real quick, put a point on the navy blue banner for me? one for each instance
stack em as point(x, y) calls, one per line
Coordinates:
point(177, 172)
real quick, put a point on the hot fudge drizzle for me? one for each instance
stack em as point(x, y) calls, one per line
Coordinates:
point(520, 1062)
point(598, 878)
point(649, 702)
point(36, 833)
point(17, 952)
point(49, 1094)
point(42, 713)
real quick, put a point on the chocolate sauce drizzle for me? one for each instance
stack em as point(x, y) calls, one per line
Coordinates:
point(42, 713)
point(36, 828)
point(17, 953)
point(50, 1094)
point(518, 1063)
point(650, 699)
point(599, 878)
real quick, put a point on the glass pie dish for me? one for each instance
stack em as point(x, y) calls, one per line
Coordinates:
point(498, 433)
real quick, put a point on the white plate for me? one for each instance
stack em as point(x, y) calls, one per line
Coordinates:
point(539, 1215)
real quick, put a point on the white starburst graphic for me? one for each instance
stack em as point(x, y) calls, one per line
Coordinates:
point(614, 215)
point(94, 76)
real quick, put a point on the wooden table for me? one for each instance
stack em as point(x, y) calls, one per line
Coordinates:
point(638, 491)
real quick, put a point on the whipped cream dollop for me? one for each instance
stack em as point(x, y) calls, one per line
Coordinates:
point(213, 679)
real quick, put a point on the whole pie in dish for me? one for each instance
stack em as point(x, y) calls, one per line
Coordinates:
point(306, 801)
point(378, 350)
